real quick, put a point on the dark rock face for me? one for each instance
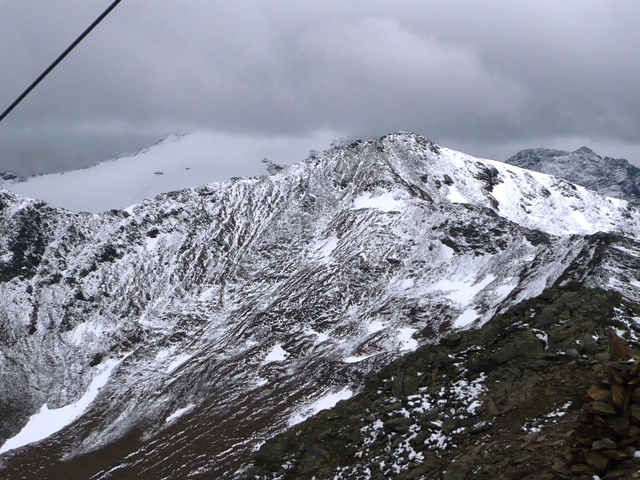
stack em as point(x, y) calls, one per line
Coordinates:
point(498, 402)
point(614, 177)
point(26, 246)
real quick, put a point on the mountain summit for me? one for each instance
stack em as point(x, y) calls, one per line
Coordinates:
point(614, 177)
point(172, 338)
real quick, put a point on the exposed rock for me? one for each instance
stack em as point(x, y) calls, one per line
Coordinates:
point(598, 461)
point(618, 397)
point(599, 408)
point(599, 394)
point(618, 349)
point(513, 427)
point(619, 426)
point(601, 440)
point(398, 425)
point(8, 176)
point(604, 444)
point(635, 414)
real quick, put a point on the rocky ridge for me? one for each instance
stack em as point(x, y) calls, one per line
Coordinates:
point(224, 314)
point(499, 403)
point(8, 176)
point(614, 177)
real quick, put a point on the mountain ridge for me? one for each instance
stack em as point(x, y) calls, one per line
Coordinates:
point(239, 306)
point(614, 177)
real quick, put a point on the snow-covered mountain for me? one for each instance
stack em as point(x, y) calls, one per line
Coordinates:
point(614, 177)
point(179, 161)
point(177, 335)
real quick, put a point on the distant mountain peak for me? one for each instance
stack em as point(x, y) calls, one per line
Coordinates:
point(613, 177)
point(10, 177)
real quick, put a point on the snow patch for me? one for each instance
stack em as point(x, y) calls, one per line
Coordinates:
point(327, 401)
point(466, 318)
point(206, 295)
point(407, 283)
point(385, 202)
point(468, 392)
point(375, 326)
point(356, 359)
point(462, 291)
point(448, 251)
point(152, 243)
point(260, 382)
point(327, 249)
point(582, 221)
point(180, 412)
point(506, 289)
point(47, 422)
point(542, 335)
point(454, 196)
point(162, 354)
point(407, 343)
point(320, 337)
point(178, 361)
point(84, 330)
point(560, 412)
point(277, 354)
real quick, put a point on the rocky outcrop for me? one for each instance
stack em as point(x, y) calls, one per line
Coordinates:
point(495, 403)
point(8, 177)
point(607, 436)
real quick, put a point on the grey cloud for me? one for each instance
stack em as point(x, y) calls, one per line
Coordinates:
point(484, 75)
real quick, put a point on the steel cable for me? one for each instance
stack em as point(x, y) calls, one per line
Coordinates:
point(59, 59)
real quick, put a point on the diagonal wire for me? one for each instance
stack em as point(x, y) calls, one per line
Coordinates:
point(59, 59)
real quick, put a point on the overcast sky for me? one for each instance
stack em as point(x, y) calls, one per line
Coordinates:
point(485, 77)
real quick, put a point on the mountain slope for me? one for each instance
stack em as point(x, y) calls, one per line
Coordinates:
point(496, 402)
point(614, 177)
point(227, 312)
